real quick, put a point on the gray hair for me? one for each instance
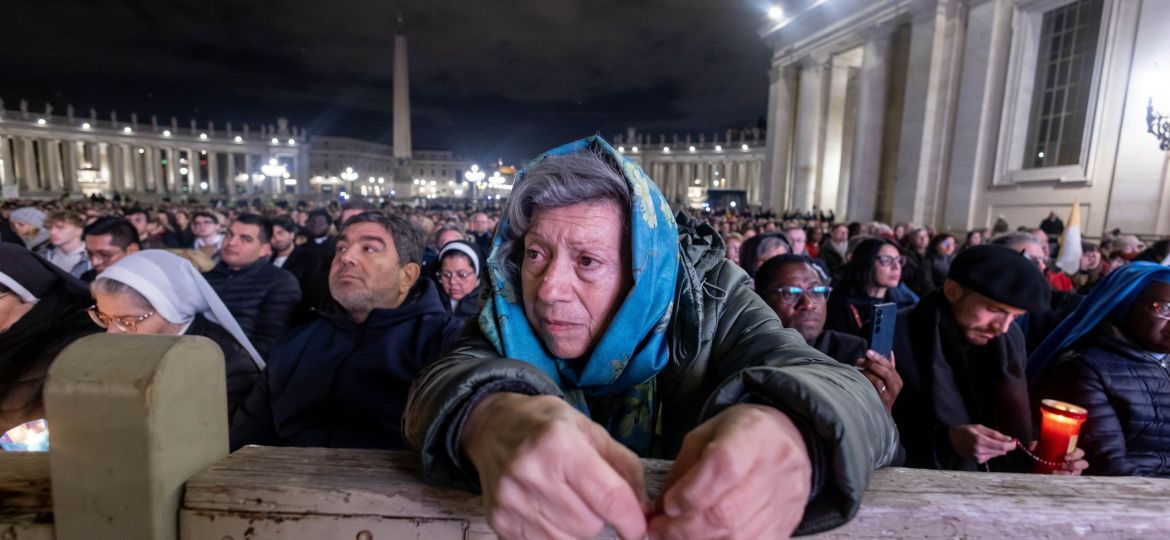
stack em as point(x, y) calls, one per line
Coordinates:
point(769, 243)
point(117, 288)
point(1014, 239)
point(555, 182)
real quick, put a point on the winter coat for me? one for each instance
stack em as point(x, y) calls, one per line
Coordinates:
point(726, 347)
point(466, 308)
point(1127, 393)
point(260, 296)
point(337, 383)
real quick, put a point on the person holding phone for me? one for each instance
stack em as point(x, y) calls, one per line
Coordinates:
point(797, 289)
point(872, 276)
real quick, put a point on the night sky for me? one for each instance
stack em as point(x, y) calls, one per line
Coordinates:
point(489, 78)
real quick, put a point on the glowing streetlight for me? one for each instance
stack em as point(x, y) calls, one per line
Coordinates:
point(127, 130)
point(349, 175)
point(665, 149)
point(203, 136)
point(85, 125)
point(691, 149)
point(239, 139)
point(275, 140)
point(41, 121)
point(166, 132)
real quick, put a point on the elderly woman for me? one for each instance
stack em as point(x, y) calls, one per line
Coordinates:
point(872, 276)
point(1110, 357)
point(611, 331)
point(42, 310)
point(458, 277)
point(158, 292)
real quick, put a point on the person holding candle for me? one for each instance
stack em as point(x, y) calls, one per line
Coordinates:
point(964, 403)
point(1110, 357)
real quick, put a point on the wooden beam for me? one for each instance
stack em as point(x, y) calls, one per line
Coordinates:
point(26, 508)
point(367, 494)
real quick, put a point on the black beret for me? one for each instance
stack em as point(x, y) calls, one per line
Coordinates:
point(1002, 274)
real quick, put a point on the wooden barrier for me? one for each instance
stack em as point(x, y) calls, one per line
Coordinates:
point(132, 418)
point(26, 509)
point(261, 492)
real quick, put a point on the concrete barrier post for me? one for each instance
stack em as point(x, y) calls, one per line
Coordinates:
point(131, 419)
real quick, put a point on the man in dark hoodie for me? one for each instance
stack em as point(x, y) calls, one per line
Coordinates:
point(342, 380)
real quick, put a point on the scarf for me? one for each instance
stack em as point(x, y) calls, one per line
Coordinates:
point(1111, 299)
point(177, 291)
point(634, 348)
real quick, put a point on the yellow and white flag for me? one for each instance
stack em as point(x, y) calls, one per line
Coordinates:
point(1070, 242)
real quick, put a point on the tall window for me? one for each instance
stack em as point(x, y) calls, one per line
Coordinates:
point(1064, 79)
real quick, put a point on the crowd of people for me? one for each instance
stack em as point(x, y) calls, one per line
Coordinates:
point(535, 351)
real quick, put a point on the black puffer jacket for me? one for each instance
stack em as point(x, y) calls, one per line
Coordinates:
point(726, 347)
point(1127, 393)
point(260, 296)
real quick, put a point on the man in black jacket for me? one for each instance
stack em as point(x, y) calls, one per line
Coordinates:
point(260, 296)
point(965, 400)
point(305, 264)
point(342, 380)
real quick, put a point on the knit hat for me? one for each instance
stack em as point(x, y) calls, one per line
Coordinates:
point(1003, 275)
point(29, 215)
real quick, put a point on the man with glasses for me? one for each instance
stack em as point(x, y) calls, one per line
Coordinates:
point(107, 240)
point(965, 402)
point(796, 288)
point(208, 239)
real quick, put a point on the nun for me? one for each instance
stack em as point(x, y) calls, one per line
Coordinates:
point(42, 310)
point(458, 277)
point(157, 292)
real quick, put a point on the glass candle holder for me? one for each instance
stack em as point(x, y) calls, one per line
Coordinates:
point(1060, 425)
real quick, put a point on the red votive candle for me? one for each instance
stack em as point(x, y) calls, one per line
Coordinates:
point(1060, 424)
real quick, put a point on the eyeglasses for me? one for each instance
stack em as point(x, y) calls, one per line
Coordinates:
point(1162, 310)
point(889, 260)
point(128, 324)
point(792, 295)
point(463, 275)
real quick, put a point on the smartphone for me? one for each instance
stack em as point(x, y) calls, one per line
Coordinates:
point(881, 338)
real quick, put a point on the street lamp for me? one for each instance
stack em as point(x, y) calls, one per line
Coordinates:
point(474, 177)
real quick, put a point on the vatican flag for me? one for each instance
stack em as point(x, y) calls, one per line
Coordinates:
point(1070, 244)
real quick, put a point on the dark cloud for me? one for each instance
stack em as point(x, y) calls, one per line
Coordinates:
point(489, 77)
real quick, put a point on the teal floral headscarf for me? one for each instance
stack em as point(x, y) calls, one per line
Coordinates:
point(634, 348)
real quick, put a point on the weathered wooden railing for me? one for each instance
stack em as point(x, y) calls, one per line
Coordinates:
point(134, 419)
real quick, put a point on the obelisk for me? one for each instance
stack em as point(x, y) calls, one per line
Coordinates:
point(402, 147)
